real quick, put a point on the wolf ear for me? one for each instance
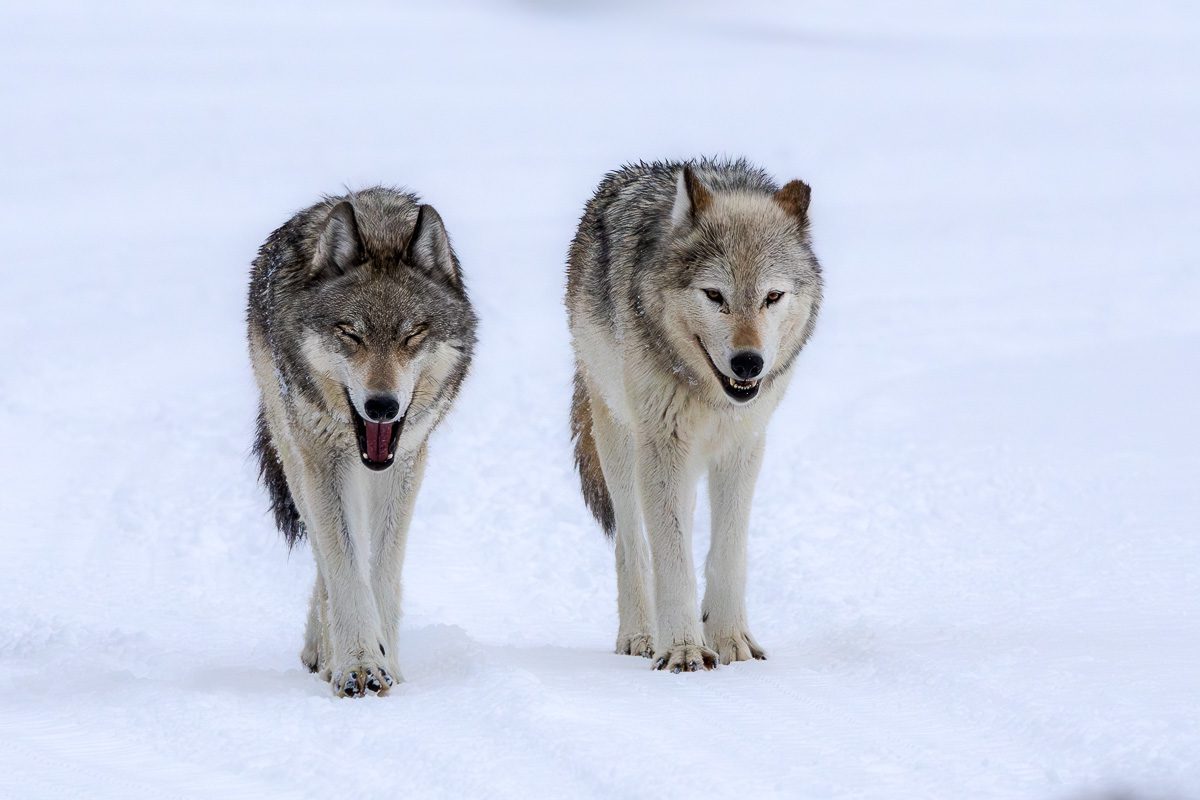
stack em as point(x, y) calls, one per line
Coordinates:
point(794, 197)
point(692, 198)
point(429, 247)
point(339, 247)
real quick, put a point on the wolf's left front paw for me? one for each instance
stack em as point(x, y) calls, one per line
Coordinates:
point(734, 645)
point(686, 658)
point(358, 680)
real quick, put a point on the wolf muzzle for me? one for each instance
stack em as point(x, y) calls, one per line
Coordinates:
point(378, 432)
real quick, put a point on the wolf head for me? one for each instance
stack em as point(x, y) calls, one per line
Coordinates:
point(385, 325)
point(745, 283)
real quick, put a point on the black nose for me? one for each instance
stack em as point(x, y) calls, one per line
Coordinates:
point(382, 407)
point(746, 365)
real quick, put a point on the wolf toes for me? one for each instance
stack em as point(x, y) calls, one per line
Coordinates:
point(381, 680)
point(732, 646)
point(350, 686)
point(361, 680)
point(686, 658)
point(638, 644)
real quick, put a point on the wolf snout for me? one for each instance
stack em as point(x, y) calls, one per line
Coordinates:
point(381, 407)
point(746, 365)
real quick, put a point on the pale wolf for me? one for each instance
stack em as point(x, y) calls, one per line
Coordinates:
point(360, 335)
point(691, 288)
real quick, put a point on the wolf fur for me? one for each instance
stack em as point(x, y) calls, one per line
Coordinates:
point(361, 334)
point(691, 289)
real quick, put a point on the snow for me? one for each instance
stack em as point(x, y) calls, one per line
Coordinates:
point(975, 559)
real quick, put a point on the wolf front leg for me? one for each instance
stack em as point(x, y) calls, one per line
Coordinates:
point(731, 480)
point(667, 489)
point(635, 609)
point(355, 659)
point(389, 540)
point(316, 640)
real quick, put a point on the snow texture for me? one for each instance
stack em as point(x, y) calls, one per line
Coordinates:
point(975, 555)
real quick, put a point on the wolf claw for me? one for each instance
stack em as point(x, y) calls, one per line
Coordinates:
point(686, 658)
point(361, 681)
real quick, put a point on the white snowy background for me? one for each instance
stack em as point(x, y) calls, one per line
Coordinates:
point(975, 556)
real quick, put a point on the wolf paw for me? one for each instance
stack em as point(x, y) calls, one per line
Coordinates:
point(735, 645)
point(686, 658)
point(310, 657)
point(362, 679)
point(635, 644)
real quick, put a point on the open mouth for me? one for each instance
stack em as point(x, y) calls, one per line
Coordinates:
point(739, 391)
point(376, 440)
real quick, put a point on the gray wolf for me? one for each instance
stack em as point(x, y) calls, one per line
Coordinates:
point(691, 289)
point(361, 334)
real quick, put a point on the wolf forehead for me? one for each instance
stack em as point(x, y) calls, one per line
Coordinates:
point(754, 234)
point(378, 299)
point(746, 239)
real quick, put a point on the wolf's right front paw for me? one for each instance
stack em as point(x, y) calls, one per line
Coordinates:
point(359, 679)
point(635, 644)
point(686, 658)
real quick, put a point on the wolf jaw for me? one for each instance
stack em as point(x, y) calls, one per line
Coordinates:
point(376, 440)
point(739, 391)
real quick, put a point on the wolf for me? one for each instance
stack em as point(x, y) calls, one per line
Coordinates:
point(360, 334)
point(691, 289)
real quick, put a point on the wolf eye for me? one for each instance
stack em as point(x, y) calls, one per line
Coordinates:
point(418, 333)
point(773, 298)
point(715, 296)
point(346, 332)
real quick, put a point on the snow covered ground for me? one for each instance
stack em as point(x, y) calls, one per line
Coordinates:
point(976, 550)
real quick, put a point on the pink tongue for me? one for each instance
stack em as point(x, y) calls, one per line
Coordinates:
point(379, 436)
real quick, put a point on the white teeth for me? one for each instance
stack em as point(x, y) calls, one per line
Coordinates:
point(364, 454)
point(391, 456)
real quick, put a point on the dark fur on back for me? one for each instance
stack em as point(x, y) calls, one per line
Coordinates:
point(270, 474)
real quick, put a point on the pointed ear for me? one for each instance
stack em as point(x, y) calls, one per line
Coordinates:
point(429, 247)
point(339, 247)
point(691, 198)
point(794, 199)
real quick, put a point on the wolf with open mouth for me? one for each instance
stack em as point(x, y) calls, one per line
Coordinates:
point(691, 289)
point(361, 334)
